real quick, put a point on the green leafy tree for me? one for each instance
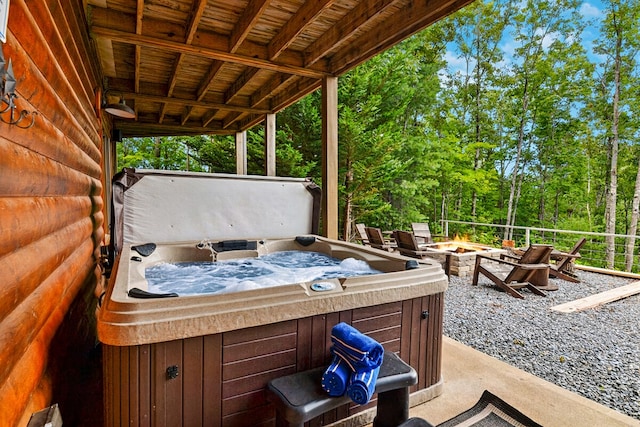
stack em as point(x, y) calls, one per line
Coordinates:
point(619, 45)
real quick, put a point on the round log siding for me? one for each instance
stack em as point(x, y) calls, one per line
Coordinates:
point(51, 213)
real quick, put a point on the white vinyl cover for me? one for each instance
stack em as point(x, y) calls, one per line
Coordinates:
point(176, 207)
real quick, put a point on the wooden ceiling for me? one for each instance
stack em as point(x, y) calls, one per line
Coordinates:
point(190, 67)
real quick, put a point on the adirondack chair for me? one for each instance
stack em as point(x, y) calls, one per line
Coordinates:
point(362, 234)
point(422, 233)
point(376, 239)
point(560, 268)
point(511, 275)
point(407, 244)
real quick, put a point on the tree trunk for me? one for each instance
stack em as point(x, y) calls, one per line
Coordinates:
point(588, 205)
point(610, 209)
point(633, 227)
point(476, 160)
point(541, 201)
point(516, 166)
point(348, 205)
point(443, 207)
point(612, 193)
point(515, 204)
point(157, 152)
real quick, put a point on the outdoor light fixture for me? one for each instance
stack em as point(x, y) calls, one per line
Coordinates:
point(8, 96)
point(120, 109)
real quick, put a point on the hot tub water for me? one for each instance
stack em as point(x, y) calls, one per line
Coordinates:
point(274, 269)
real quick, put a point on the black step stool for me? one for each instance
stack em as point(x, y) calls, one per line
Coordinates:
point(299, 397)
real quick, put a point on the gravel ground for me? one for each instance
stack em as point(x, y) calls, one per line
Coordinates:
point(595, 353)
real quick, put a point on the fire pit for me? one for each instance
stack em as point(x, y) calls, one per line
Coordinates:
point(458, 257)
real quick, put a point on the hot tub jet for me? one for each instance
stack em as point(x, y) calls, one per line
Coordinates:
point(206, 244)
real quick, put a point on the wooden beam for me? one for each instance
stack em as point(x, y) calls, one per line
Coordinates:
point(194, 21)
point(185, 115)
point(241, 153)
point(170, 31)
point(251, 121)
point(270, 145)
point(598, 299)
point(172, 84)
point(194, 103)
point(270, 88)
point(132, 129)
point(232, 118)
point(206, 82)
point(107, 60)
point(340, 33)
point(301, 88)
point(411, 19)
point(247, 21)
point(204, 52)
point(305, 16)
point(207, 118)
point(138, 53)
point(240, 83)
point(330, 157)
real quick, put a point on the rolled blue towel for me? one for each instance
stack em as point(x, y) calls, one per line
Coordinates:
point(362, 352)
point(336, 376)
point(362, 385)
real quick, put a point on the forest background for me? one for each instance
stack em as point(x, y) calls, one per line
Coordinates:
point(516, 113)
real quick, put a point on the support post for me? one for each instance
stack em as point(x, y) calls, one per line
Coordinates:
point(330, 157)
point(270, 145)
point(241, 153)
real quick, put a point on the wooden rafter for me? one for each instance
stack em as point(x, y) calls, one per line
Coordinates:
point(405, 22)
point(220, 66)
point(138, 53)
point(240, 82)
point(309, 11)
point(247, 21)
point(270, 88)
point(124, 37)
point(189, 102)
point(341, 33)
point(196, 16)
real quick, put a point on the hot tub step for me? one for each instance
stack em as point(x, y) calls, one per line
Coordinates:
point(299, 397)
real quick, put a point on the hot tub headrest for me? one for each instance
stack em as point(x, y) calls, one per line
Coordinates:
point(145, 250)
point(411, 265)
point(305, 240)
point(232, 245)
point(139, 293)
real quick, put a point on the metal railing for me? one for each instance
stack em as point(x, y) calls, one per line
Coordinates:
point(592, 253)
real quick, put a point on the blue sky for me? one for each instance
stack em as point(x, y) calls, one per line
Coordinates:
point(591, 11)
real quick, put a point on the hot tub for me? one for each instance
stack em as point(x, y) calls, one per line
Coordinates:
point(206, 359)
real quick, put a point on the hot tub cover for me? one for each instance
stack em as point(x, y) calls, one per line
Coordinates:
point(165, 206)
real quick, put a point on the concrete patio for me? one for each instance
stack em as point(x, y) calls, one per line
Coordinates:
point(468, 372)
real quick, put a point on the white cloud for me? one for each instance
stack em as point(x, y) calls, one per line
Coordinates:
point(509, 49)
point(456, 62)
point(548, 39)
point(588, 10)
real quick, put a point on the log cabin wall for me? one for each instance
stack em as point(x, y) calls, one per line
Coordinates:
point(51, 219)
